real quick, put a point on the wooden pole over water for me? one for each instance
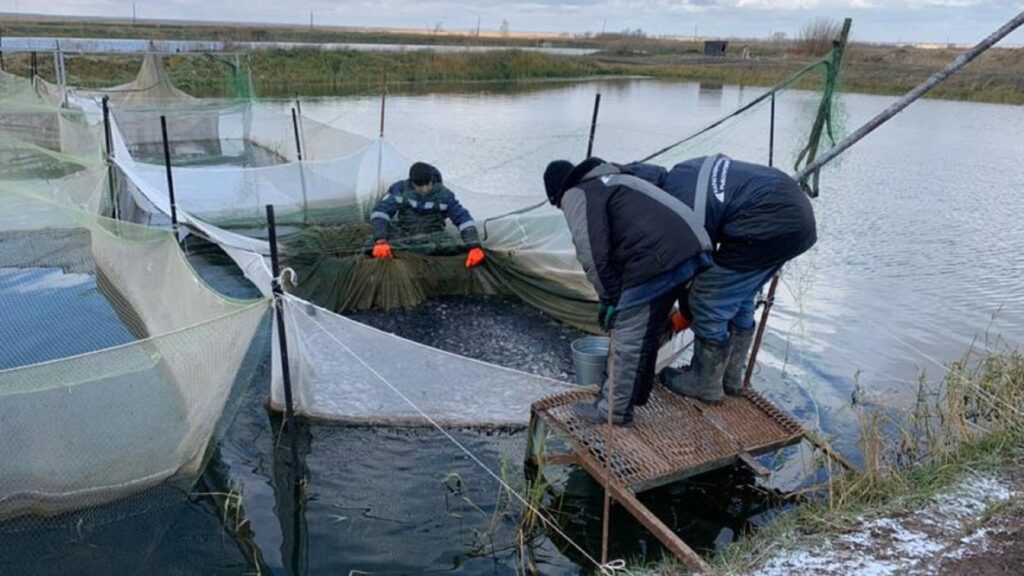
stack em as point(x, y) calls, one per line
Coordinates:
point(813, 166)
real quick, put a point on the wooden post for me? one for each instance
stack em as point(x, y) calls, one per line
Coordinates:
point(759, 336)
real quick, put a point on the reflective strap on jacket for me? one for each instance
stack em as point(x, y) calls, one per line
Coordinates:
point(693, 219)
point(700, 193)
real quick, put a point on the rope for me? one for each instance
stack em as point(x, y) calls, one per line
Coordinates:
point(766, 95)
point(606, 569)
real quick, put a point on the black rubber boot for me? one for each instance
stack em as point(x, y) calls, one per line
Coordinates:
point(736, 365)
point(589, 412)
point(702, 379)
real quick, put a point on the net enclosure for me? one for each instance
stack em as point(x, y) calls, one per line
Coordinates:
point(86, 248)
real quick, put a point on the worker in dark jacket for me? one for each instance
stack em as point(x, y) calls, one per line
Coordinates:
point(419, 206)
point(758, 218)
point(638, 246)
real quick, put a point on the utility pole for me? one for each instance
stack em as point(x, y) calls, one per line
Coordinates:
point(310, 19)
point(478, 27)
point(133, 13)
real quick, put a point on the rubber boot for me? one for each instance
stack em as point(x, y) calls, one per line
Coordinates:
point(702, 379)
point(589, 412)
point(736, 365)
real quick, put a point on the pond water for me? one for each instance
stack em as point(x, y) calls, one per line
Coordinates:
point(919, 253)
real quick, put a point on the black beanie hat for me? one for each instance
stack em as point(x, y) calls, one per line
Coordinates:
point(421, 174)
point(554, 177)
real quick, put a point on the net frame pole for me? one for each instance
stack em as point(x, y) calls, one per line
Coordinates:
point(302, 169)
point(593, 125)
point(282, 340)
point(771, 134)
point(298, 141)
point(302, 128)
point(110, 155)
point(170, 175)
point(380, 143)
point(383, 101)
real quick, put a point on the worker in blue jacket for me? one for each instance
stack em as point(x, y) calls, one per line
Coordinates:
point(758, 219)
point(419, 207)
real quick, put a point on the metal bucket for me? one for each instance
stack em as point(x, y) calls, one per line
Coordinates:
point(590, 359)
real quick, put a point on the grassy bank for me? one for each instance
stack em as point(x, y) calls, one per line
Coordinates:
point(998, 76)
point(975, 424)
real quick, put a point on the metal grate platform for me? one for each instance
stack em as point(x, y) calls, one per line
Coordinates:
point(672, 437)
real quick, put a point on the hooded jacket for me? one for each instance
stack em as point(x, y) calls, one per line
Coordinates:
point(756, 215)
point(634, 240)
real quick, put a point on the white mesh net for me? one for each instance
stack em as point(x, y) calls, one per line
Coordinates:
point(118, 361)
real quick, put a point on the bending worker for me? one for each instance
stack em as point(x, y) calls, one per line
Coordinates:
point(417, 208)
point(639, 246)
point(759, 218)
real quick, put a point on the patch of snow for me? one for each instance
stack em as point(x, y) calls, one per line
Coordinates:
point(907, 544)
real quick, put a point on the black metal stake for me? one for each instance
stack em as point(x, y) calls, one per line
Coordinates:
point(302, 132)
point(771, 135)
point(593, 124)
point(383, 102)
point(110, 155)
point(106, 124)
point(289, 407)
point(33, 66)
point(295, 127)
point(170, 177)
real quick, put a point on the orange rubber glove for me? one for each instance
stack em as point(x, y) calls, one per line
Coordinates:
point(474, 258)
point(382, 250)
point(679, 322)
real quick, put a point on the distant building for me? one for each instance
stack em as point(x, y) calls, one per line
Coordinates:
point(715, 47)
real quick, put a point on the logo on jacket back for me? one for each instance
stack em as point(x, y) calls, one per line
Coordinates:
point(719, 172)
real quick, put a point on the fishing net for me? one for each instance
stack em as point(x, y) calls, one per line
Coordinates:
point(39, 137)
point(118, 362)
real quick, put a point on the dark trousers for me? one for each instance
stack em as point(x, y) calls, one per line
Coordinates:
point(636, 334)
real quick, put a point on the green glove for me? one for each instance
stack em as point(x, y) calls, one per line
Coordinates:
point(606, 316)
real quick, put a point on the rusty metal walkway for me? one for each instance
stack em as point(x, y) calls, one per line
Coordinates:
point(671, 438)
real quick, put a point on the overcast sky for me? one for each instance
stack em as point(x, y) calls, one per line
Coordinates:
point(959, 21)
